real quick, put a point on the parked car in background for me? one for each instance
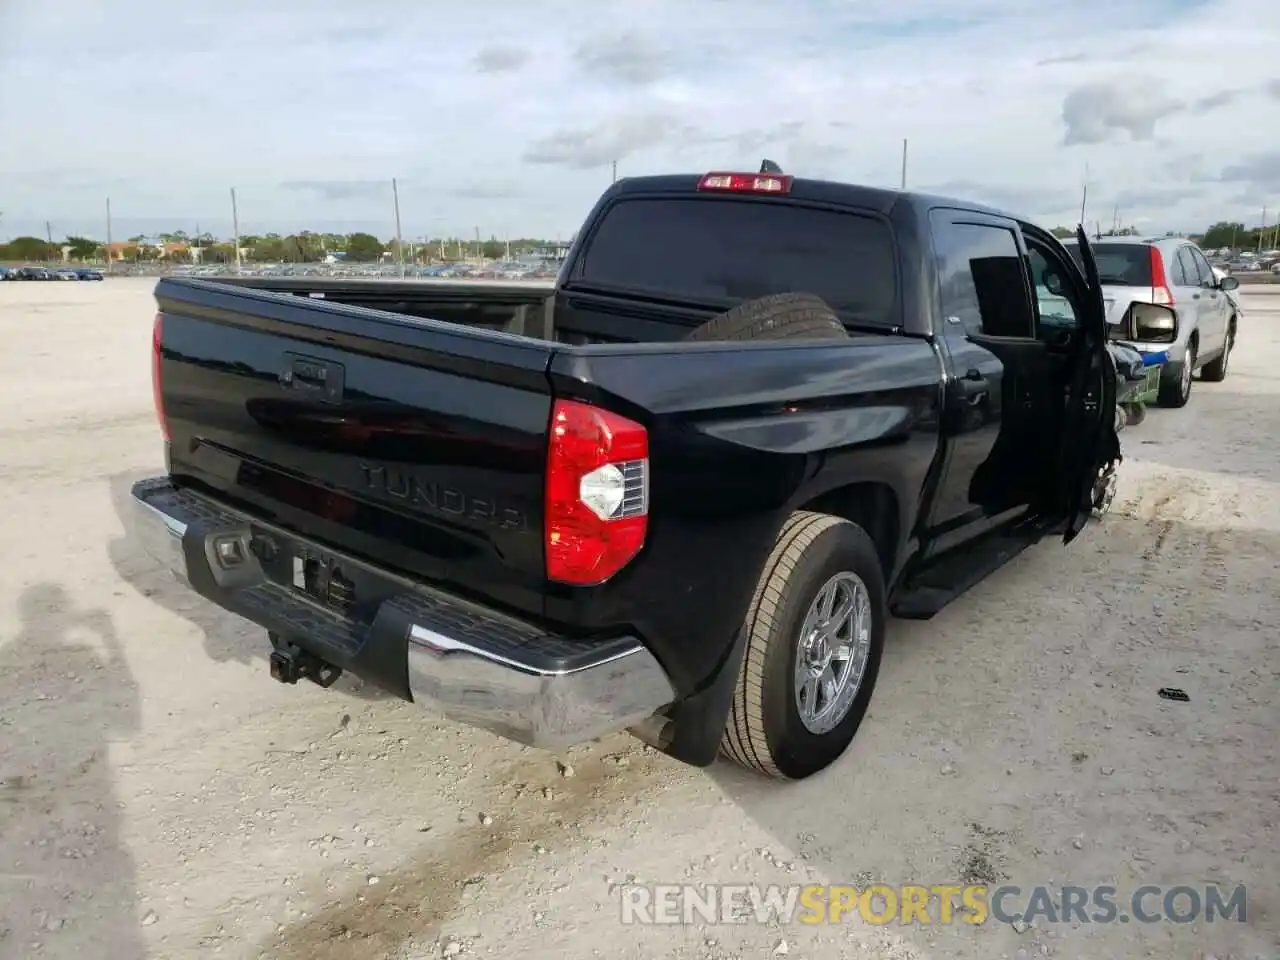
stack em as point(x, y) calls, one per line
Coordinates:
point(34, 273)
point(1222, 273)
point(5, 274)
point(87, 273)
point(65, 274)
point(1172, 272)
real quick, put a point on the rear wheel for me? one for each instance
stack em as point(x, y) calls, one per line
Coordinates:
point(1175, 380)
point(815, 636)
point(1216, 371)
point(783, 316)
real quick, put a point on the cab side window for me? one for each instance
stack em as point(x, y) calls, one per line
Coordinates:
point(983, 279)
point(1054, 307)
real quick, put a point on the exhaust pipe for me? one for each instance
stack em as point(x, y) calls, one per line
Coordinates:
point(654, 730)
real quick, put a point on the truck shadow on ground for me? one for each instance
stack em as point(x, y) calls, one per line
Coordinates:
point(226, 637)
point(1020, 737)
point(69, 887)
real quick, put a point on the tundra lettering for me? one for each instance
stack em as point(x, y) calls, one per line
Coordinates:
point(401, 485)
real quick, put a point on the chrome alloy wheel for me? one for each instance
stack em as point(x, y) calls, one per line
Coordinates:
point(833, 649)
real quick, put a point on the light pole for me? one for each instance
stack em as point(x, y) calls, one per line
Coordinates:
point(235, 227)
point(395, 199)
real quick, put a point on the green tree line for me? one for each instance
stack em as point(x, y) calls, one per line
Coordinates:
point(302, 247)
point(308, 247)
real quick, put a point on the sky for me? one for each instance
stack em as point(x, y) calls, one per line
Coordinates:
point(506, 117)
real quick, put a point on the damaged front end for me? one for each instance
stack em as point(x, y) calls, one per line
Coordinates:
point(1137, 348)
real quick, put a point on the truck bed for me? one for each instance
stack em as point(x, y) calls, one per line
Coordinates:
point(527, 310)
point(521, 308)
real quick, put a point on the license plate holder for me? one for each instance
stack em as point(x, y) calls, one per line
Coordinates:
point(320, 578)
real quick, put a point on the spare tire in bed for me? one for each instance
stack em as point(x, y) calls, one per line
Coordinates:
point(783, 316)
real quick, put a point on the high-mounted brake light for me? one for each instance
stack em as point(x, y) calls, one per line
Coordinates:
point(746, 182)
point(1160, 292)
point(597, 505)
point(157, 387)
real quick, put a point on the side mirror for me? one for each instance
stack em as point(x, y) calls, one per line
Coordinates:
point(1153, 323)
point(1052, 282)
point(1228, 284)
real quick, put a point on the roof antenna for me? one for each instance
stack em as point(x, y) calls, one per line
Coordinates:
point(768, 166)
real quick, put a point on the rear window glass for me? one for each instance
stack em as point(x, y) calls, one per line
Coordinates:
point(717, 250)
point(1120, 264)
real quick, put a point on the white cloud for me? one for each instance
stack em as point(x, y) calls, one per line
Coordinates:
point(507, 115)
point(1133, 105)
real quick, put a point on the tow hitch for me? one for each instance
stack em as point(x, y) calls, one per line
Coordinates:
point(290, 663)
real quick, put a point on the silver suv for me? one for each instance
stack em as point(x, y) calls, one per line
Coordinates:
point(1174, 272)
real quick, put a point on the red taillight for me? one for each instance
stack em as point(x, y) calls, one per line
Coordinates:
point(597, 510)
point(1160, 292)
point(746, 183)
point(157, 387)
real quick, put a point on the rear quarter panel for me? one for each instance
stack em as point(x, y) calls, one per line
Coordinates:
point(741, 436)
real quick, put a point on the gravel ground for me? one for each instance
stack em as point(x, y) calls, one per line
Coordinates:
point(161, 797)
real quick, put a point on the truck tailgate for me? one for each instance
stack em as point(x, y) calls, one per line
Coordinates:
point(409, 441)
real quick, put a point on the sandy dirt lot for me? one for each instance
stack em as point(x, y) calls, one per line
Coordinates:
point(161, 797)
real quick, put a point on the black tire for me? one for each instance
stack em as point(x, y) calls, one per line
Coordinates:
point(764, 731)
point(1175, 381)
point(1216, 370)
point(783, 316)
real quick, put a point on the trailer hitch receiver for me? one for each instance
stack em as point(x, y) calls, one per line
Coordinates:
point(290, 663)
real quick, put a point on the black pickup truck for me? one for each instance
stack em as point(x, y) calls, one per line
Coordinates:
point(677, 494)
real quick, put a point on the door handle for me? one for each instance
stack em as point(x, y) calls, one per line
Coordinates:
point(310, 375)
point(1195, 296)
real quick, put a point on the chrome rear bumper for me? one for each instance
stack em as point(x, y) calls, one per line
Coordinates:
point(472, 664)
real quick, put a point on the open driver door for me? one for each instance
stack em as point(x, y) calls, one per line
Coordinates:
point(1089, 443)
point(1036, 413)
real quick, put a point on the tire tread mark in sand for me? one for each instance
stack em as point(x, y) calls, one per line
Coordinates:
point(1217, 548)
point(1162, 530)
point(1177, 545)
point(1162, 523)
point(412, 900)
